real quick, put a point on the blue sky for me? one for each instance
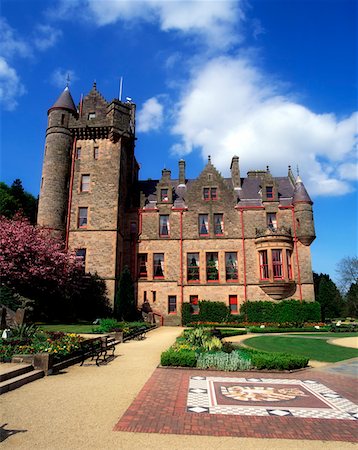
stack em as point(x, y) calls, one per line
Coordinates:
point(272, 81)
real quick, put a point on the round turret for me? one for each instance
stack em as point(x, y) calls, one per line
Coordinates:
point(302, 203)
point(56, 165)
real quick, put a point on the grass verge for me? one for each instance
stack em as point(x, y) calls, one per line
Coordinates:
point(316, 349)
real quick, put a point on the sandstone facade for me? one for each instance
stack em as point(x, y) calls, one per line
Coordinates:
point(213, 238)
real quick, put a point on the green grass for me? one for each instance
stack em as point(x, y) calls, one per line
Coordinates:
point(316, 349)
point(325, 335)
point(69, 328)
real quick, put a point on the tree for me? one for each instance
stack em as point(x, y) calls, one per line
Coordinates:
point(124, 303)
point(351, 300)
point(347, 270)
point(15, 198)
point(328, 295)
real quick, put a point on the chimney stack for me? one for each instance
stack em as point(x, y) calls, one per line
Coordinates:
point(235, 172)
point(166, 173)
point(182, 171)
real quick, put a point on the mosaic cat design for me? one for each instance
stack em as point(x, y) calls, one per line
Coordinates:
point(261, 393)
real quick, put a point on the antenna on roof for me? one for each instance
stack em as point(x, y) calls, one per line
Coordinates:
point(120, 89)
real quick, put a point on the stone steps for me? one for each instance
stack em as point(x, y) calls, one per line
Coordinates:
point(18, 376)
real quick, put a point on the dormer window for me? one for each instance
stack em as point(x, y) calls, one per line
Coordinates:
point(164, 195)
point(269, 192)
point(210, 193)
point(91, 115)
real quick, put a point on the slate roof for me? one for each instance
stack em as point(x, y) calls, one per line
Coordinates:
point(65, 101)
point(300, 194)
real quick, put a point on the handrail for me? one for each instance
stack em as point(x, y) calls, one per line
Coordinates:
point(161, 318)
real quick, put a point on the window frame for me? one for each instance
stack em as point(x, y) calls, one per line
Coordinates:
point(271, 221)
point(236, 269)
point(277, 264)
point(205, 223)
point(78, 152)
point(264, 265)
point(233, 303)
point(269, 192)
point(167, 225)
point(143, 262)
point(156, 265)
point(289, 264)
point(214, 280)
point(170, 310)
point(82, 209)
point(164, 198)
point(216, 215)
point(95, 152)
point(87, 184)
point(197, 260)
point(82, 257)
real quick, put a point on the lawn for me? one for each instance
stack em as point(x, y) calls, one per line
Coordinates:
point(316, 349)
point(78, 328)
point(326, 335)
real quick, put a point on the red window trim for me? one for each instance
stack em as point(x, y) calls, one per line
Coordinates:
point(208, 227)
point(78, 221)
point(234, 303)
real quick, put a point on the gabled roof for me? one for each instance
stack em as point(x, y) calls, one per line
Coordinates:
point(65, 101)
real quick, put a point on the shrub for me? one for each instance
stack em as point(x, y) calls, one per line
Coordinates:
point(287, 311)
point(24, 331)
point(208, 312)
point(223, 361)
point(275, 361)
point(181, 358)
point(228, 333)
point(107, 325)
point(287, 330)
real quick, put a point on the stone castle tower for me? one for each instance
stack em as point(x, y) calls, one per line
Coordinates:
point(88, 174)
point(224, 239)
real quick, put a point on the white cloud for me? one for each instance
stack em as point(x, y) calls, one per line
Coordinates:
point(229, 107)
point(213, 20)
point(59, 77)
point(349, 170)
point(150, 117)
point(10, 86)
point(46, 36)
point(12, 44)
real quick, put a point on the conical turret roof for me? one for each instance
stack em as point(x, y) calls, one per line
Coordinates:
point(300, 195)
point(65, 101)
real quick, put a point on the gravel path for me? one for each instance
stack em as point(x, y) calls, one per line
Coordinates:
point(77, 409)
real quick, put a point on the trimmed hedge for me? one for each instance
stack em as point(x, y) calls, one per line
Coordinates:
point(275, 361)
point(287, 330)
point(178, 358)
point(208, 312)
point(286, 311)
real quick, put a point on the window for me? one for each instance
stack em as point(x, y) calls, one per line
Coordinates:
point(78, 153)
point(233, 304)
point(203, 224)
point(142, 265)
point(154, 294)
point(231, 266)
point(82, 217)
point(269, 192)
point(81, 256)
point(62, 119)
point(164, 195)
point(213, 193)
point(95, 152)
point(264, 268)
point(85, 182)
point(194, 303)
point(289, 264)
point(42, 182)
point(91, 115)
point(164, 226)
point(271, 221)
point(210, 193)
point(158, 265)
point(218, 224)
point(145, 298)
point(212, 266)
point(277, 264)
point(193, 272)
point(172, 304)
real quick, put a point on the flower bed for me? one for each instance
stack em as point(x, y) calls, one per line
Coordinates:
point(199, 348)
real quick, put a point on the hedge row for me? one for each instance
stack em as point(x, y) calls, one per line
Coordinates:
point(286, 311)
point(274, 361)
point(288, 330)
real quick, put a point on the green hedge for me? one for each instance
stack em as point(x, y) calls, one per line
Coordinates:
point(275, 361)
point(181, 358)
point(288, 330)
point(287, 311)
point(208, 312)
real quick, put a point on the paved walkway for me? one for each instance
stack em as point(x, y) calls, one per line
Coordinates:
point(79, 408)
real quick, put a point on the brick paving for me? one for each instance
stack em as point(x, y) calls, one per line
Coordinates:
point(162, 407)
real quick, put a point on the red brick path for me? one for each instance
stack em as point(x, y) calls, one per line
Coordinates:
point(160, 407)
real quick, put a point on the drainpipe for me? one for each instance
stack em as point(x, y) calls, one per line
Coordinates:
point(243, 251)
point(70, 193)
point(296, 248)
point(181, 266)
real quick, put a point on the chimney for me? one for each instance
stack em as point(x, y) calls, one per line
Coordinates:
point(182, 171)
point(166, 173)
point(235, 172)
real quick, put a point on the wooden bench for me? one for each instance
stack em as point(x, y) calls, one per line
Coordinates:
point(138, 333)
point(98, 348)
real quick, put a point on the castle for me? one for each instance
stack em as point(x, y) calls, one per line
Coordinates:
point(184, 240)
